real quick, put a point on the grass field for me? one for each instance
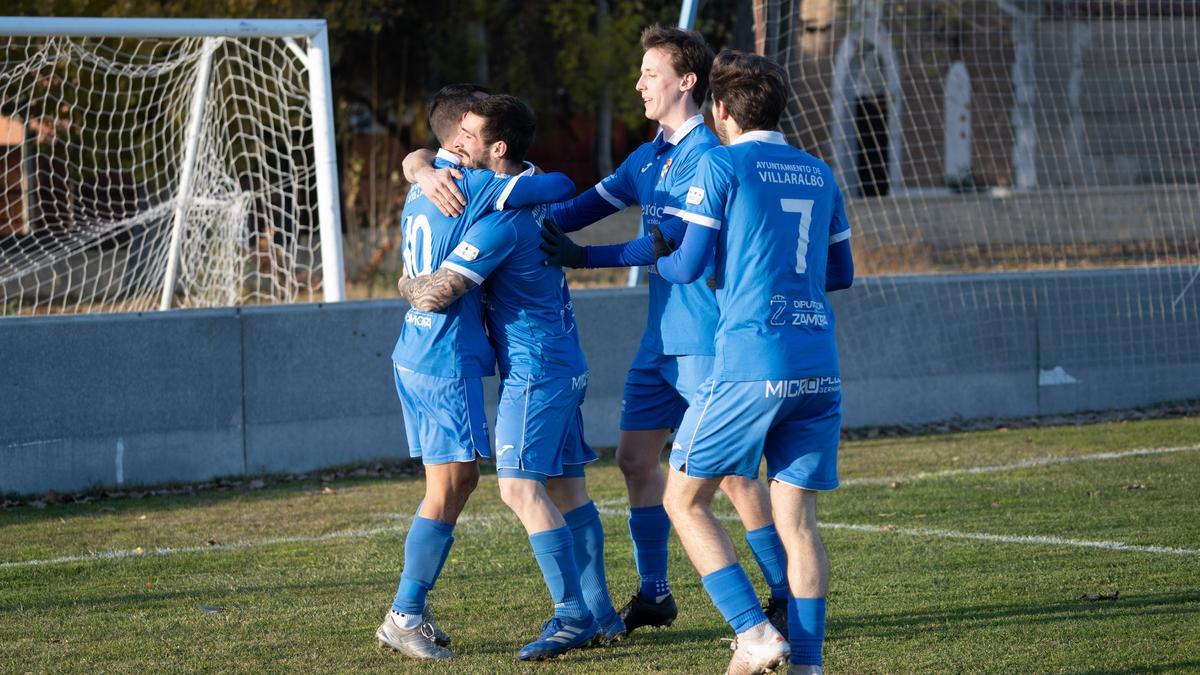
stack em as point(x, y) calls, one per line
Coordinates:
point(950, 553)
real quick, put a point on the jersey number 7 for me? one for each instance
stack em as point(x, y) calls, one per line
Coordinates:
point(804, 207)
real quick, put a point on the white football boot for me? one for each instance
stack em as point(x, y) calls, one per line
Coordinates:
point(416, 643)
point(758, 649)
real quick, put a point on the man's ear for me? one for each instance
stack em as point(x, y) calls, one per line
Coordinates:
point(687, 81)
point(719, 111)
point(499, 149)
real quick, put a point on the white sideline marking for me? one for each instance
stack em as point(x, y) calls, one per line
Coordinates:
point(1037, 540)
point(604, 506)
point(491, 518)
point(1023, 464)
point(118, 554)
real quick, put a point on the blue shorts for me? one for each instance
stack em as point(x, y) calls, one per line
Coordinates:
point(796, 424)
point(658, 389)
point(569, 471)
point(443, 416)
point(539, 428)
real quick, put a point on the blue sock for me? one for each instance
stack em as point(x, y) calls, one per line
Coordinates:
point(731, 592)
point(425, 550)
point(806, 629)
point(555, 553)
point(650, 529)
point(768, 551)
point(588, 533)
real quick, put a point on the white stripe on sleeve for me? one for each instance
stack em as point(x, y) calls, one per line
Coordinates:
point(840, 236)
point(711, 223)
point(463, 271)
point(512, 182)
point(608, 197)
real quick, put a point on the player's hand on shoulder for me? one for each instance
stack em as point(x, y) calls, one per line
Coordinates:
point(439, 186)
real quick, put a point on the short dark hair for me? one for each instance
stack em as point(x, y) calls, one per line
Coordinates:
point(753, 87)
point(447, 107)
point(688, 51)
point(506, 118)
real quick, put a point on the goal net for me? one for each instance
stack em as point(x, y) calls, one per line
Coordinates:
point(149, 164)
point(1036, 162)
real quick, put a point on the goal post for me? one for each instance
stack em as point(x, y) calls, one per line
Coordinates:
point(152, 163)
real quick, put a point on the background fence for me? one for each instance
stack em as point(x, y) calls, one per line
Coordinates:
point(187, 395)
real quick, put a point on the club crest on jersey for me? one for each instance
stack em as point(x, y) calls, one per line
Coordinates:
point(466, 251)
point(695, 195)
point(666, 168)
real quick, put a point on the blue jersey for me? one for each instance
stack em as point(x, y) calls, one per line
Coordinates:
point(530, 316)
point(452, 343)
point(777, 210)
point(680, 319)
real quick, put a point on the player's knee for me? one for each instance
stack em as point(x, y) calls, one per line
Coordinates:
point(738, 487)
point(636, 462)
point(467, 483)
point(514, 494)
point(563, 493)
point(678, 504)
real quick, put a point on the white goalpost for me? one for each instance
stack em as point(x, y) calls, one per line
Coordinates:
point(158, 163)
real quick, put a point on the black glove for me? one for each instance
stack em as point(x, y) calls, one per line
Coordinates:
point(559, 247)
point(663, 247)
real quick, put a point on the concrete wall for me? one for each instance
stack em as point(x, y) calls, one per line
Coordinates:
point(139, 399)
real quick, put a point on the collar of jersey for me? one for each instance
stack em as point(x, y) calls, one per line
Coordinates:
point(530, 169)
point(760, 135)
point(683, 130)
point(447, 156)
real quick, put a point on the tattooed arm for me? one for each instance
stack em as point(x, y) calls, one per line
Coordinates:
point(434, 292)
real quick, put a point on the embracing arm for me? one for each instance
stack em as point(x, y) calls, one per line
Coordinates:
point(541, 188)
point(564, 252)
point(583, 210)
point(415, 161)
point(686, 264)
point(437, 184)
point(434, 292)
point(662, 241)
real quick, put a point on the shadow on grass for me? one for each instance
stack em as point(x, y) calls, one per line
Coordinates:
point(667, 642)
point(892, 625)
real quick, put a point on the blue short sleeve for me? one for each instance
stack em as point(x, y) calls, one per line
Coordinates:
point(483, 190)
point(704, 202)
point(484, 246)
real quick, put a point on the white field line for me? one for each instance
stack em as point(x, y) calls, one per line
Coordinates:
point(605, 506)
point(1036, 540)
point(485, 520)
point(1023, 464)
point(491, 520)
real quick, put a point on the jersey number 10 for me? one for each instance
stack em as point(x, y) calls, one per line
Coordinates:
point(417, 233)
point(804, 207)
